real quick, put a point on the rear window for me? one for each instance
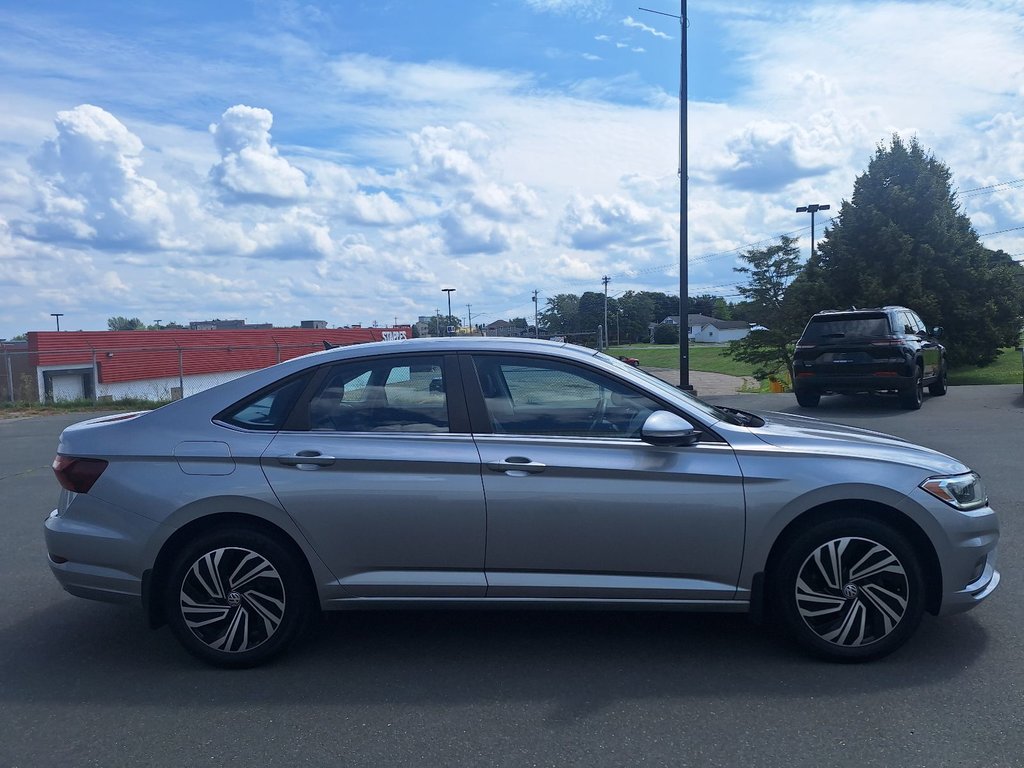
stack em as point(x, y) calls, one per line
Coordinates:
point(828, 327)
point(267, 409)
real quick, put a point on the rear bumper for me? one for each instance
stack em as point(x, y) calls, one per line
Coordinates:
point(856, 383)
point(93, 561)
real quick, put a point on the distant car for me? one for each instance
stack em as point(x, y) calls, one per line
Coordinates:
point(630, 360)
point(888, 349)
point(535, 474)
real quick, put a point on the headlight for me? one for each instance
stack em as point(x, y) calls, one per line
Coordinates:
point(964, 492)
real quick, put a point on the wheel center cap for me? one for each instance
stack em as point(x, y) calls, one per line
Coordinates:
point(850, 591)
point(234, 599)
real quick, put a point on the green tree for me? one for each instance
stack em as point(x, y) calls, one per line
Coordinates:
point(902, 239)
point(770, 271)
point(666, 334)
point(707, 304)
point(124, 324)
point(561, 315)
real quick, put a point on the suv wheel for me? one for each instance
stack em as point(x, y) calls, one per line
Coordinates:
point(912, 397)
point(235, 598)
point(806, 399)
point(850, 589)
point(939, 388)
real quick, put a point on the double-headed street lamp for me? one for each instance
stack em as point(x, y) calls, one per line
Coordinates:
point(448, 325)
point(57, 316)
point(812, 209)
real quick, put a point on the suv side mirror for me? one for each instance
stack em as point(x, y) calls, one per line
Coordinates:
point(937, 331)
point(666, 429)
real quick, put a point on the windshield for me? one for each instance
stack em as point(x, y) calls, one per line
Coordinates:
point(711, 412)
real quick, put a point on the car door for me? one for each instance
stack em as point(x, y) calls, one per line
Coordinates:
point(378, 468)
point(579, 507)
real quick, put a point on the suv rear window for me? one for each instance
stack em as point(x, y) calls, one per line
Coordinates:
point(846, 326)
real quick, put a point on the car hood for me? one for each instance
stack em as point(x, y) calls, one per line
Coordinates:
point(810, 435)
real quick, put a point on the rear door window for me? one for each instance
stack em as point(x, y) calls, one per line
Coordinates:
point(394, 394)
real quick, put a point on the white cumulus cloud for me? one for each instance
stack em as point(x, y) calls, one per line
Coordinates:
point(89, 186)
point(250, 168)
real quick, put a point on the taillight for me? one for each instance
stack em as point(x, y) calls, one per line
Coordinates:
point(77, 475)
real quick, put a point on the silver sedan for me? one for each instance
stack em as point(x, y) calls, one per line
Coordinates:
point(509, 473)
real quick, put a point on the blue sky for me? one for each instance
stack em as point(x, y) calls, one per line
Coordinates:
point(344, 161)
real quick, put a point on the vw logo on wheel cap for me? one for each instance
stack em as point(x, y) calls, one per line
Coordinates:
point(850, 591)
point(234, 599)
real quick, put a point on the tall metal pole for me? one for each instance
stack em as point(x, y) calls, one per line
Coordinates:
point(606, 280)
point(536, 330)
point(684, 277)
point(812, 208)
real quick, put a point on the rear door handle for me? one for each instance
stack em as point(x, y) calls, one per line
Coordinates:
point(306, 460)
point(517, 466)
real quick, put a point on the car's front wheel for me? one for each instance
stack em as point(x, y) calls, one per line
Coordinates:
point(850, 589)
point(236, 597)
point(940, 387)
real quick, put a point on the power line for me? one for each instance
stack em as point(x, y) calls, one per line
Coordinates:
point(1012, 183)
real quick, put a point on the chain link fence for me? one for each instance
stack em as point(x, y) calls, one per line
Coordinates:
point(151, 374)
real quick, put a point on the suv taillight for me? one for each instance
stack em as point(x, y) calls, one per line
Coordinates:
point(77, 475)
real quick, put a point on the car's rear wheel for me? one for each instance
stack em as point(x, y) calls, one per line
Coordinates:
point(940, 387)
point(912, 397)
point(807, 399)
point(850, 589)
point(236, 597)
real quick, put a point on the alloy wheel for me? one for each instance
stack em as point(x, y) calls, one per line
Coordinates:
point(232, 599)
point(852, 591)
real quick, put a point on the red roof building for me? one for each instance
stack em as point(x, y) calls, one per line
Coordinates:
point(166, 364)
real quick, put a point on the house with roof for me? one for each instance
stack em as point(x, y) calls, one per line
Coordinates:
point(711, 330)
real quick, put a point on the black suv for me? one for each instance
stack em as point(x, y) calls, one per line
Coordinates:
point(869, 350)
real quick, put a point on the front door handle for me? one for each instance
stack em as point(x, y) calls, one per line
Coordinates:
point(306, 460)
point(517, 466)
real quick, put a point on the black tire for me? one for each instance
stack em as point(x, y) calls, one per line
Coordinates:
point(236, 598)
point(806, 399)
point(940, 387)
point(850, 589)
point(912, 397)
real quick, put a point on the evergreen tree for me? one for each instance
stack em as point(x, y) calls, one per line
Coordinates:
point(770, 271)
point(902, 239)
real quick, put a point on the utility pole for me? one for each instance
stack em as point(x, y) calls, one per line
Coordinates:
point(606, 280)
point(812, 208)
point(536, 330)
point(437, 321)
point(469, 309)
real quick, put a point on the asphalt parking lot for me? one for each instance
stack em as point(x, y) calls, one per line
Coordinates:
point(87, 684)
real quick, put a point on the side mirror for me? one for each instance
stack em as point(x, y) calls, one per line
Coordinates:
point(666, 430)
point(937, 331)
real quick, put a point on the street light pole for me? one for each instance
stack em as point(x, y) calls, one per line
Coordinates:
point(812, 208)
point(684, 278)
point(57, 316)
point(448, 324)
